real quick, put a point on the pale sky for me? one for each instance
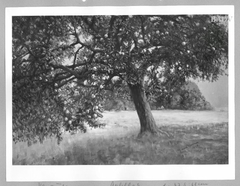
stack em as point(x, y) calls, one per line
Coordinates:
point(217, 92)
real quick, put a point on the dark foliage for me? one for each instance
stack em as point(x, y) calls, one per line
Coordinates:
point(61, 62)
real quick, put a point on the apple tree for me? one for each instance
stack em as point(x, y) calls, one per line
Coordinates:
point(65, 64)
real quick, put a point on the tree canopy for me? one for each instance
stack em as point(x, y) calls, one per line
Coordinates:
point(65, 63)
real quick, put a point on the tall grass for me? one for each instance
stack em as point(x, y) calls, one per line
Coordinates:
point(117, 143)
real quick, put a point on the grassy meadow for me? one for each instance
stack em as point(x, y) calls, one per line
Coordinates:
point(198, 137)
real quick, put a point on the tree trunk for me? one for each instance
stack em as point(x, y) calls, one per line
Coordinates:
point(147, 121)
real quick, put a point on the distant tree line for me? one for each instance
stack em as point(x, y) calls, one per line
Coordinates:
point(65, 68)
point(187, 97)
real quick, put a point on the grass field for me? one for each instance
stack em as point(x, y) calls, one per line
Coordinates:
point(199, 137)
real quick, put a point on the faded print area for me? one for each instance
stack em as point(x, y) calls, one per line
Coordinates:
point(120, 90)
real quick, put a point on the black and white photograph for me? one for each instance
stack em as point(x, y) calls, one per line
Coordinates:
point(133, 89)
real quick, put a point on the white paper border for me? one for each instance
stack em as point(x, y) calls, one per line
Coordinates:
point(119, 172)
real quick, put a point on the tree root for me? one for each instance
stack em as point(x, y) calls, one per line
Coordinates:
point(165, 133)
point(158, 132)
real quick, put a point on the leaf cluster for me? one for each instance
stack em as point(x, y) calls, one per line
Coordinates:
point(53, 56)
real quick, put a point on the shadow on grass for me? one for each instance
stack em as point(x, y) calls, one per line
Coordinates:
point(195, 144)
